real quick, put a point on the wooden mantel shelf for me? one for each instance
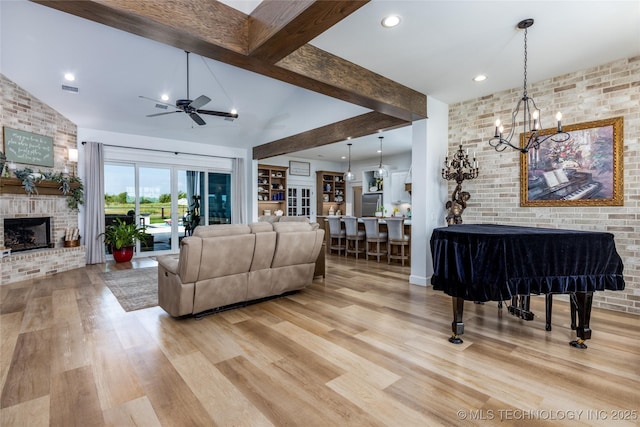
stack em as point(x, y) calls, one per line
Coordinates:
point(45, 188)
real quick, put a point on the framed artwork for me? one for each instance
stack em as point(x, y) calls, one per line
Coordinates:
point(585, 170)
point(299, 168)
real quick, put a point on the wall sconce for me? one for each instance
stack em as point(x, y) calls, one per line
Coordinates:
point(72, 154)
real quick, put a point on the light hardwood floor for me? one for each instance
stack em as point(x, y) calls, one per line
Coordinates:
point(359, 348)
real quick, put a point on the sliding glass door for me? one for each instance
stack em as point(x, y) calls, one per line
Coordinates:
point(171, 201)
point(219, 197)
point(154, 207)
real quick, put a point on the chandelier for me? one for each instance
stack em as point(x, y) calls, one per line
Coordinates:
point(531, 122)
point(348, 175)
point(381, 172)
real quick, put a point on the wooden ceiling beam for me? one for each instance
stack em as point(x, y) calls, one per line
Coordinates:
point(217, 31)
point(277, 28)
point(355, 127)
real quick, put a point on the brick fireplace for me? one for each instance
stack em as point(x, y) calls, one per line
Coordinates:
point(23, 111)
point(23, 234)
point(37, 262)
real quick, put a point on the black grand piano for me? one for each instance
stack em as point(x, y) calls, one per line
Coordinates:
point(490, 262)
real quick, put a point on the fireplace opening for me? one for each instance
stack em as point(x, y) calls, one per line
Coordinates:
point(23, 234)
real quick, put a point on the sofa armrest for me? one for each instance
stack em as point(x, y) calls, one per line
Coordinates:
point(169, 262)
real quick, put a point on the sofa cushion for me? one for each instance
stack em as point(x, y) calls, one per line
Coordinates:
point(293, 219)
point(264, 249)
point(289, 227)
point(260, 227)
point(295, 248)
point(269, 218)
point(221, 230)
point(226, 255)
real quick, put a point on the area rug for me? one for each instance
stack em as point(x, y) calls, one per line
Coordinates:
point(135, 289)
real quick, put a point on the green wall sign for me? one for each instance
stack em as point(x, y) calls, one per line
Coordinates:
point(28, 148)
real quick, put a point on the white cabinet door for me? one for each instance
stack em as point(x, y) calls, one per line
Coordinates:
point(398, 195)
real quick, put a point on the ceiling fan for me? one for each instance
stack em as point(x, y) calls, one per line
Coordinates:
point(191, 107)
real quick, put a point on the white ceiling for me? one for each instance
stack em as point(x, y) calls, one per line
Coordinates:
point(437, 49)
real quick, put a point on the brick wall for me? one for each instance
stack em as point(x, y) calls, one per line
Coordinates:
point(20, 110)
point(606, 91)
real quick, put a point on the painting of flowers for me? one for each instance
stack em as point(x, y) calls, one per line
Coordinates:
point(583, 170)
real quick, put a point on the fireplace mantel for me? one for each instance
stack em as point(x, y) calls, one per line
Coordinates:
point(44, 187)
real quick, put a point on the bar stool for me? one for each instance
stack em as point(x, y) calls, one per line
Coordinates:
point(354, 236)
point(336, 235)
point(374, 237)
point(397, 238)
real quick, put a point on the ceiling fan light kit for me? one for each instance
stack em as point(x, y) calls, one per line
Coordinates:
point(192, 107)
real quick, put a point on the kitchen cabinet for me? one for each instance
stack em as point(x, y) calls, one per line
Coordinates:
point(398, 189)
point(371, 183)
point(330, 188)
point(272, 189)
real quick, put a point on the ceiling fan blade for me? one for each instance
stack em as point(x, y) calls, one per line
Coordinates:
point(218, 113)
point(162, 114)
point(196, 118)
point(199, 101)
point(155, 100)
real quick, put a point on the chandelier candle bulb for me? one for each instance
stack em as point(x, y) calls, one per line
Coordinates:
point(559, 119)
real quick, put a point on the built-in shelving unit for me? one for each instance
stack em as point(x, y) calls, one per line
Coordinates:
point(272, 189)
point(331, 191)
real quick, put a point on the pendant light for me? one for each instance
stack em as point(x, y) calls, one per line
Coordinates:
point(348, 175)
point(381, 172)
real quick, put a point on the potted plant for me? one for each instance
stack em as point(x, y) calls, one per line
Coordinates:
point(121, 237)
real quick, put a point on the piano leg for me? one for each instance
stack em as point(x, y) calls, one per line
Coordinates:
point(574, 307)
point(457, 326)
point(526, 313)
point(583, 301)
point(519, 307)
point(513, 308)
point(548, 305)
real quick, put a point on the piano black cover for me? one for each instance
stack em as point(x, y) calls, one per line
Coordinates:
point(489, 262)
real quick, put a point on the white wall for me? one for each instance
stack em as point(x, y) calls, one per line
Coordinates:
point(428, 188)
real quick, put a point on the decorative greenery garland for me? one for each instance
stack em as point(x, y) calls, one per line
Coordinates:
point(29, 178)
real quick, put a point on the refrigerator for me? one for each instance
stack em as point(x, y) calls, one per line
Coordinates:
point(370, 202)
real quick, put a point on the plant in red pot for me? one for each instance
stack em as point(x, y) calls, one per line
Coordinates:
point(121, 238)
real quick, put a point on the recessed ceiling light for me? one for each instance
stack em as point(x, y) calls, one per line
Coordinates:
point(390, 21)
point(480, 78)
point(69, 77)
point(164, 97)
point(343, 157)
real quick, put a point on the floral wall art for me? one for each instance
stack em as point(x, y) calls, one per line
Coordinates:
point(586, 169)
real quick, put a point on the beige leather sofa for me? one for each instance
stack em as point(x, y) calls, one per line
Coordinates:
point(227, 264)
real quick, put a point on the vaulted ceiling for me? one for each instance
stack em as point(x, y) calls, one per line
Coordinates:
point(272, 41)
point(300, 73)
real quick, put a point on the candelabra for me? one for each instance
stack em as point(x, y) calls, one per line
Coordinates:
point(458, 169)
